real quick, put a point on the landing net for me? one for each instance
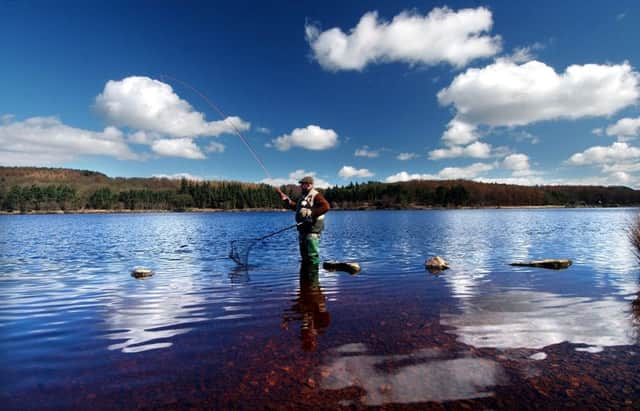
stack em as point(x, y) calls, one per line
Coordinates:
point(240, 251)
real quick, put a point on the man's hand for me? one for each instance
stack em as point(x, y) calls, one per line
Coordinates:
point(306, 213)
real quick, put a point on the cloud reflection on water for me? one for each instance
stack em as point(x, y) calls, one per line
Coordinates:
point(532, 319)
point(145, 320)
point(417, 377)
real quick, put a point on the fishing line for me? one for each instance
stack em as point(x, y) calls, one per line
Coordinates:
point(224, 117)
point(239, 248)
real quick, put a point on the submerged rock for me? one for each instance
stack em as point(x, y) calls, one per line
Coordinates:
point(141, 272)
point(436, 264)
point(349, 267)
point(555, 264)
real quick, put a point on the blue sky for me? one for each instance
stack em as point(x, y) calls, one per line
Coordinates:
point(516, 92)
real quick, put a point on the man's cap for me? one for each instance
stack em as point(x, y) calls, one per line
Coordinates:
point(307, 179)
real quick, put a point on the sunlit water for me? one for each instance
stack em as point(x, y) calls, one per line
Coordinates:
point(77, 331)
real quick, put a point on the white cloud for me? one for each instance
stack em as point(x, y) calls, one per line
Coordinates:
point(442, 36)
point(598, 131)
point(40, 141)
point(616, 161)
point(469, 172)
point(179, 176)
point(447, 173)
point(177, 147)
point(294, 177)
point(625, 128)
point(406, 156)
point(263, 130)
point(404, 176)
point(349, 172)
point(598, 155)
point(474, 150)
point(366, 152)
point(215, 147)
point(312, 138)
point(626, 167)
point(146, 104)
point(459, 133)
point(516, 162)
point(509, 94)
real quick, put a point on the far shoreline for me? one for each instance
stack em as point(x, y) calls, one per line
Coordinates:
point(253, 210)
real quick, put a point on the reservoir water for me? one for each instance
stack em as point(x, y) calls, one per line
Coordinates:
point(77, 331)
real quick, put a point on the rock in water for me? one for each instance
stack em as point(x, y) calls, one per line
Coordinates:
point(436, 264)
point(555, 264)
point(349, 267)
point(141, 272)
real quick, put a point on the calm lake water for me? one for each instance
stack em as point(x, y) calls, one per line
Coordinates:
point(78, 332)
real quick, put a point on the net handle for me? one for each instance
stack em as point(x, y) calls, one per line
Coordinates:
point(278, 232)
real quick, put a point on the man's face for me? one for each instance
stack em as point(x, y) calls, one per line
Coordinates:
point(306, 187)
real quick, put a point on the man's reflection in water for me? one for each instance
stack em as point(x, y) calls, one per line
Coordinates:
point(635, 309)
point(310, 308)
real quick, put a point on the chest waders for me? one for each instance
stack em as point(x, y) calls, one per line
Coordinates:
point(309, 235)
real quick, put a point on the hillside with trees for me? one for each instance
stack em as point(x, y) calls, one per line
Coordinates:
point(29, 189)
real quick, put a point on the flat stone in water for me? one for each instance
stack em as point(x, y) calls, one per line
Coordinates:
point(349, 267)
point(555, 264)
point(141, 272)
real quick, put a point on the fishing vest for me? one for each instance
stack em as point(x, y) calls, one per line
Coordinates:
point(307, 202)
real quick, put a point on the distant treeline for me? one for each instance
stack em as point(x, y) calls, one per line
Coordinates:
point(25, 189)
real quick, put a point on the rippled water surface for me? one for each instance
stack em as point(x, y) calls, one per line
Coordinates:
point(77, 331)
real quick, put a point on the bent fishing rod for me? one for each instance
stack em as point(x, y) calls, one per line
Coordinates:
point(224, 117)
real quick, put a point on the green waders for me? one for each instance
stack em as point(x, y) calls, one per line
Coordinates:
point(309, 248)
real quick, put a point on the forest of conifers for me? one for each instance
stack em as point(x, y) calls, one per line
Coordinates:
point(27, 189)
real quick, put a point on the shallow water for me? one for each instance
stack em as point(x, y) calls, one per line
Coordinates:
point(77, 331)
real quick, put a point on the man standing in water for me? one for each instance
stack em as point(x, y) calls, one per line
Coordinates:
point(310, 210)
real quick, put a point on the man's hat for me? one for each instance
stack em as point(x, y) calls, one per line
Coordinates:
point(307, 179)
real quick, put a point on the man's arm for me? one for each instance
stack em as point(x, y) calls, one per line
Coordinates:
point(287, 202)
point(320, 206)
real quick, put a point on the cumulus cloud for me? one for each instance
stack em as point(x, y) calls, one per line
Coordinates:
point(366, 152)
point(474, 150)
point(617, 161)
point(459, 133)
point(406, 156)
point(518, 164)
point(442, 36)
point(625, 128)
point(617, 152)
point(146, 104)
point(179, 176)
point(177, 147)
point(41, 141)
point(349, 172)
point(447, 173)
point(294, 177)
point(509, 94)
point(311, 138)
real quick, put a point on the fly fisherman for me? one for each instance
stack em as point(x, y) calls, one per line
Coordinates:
point(310, 210)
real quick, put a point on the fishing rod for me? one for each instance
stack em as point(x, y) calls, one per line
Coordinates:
point(224, 117)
